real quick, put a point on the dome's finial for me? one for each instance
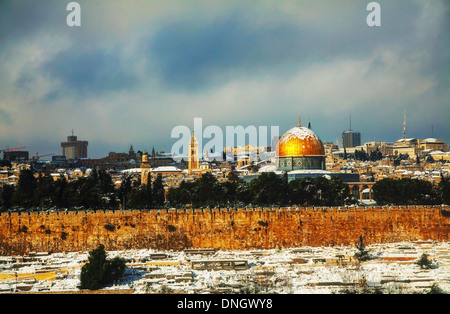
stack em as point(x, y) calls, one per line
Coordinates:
point(299, 121)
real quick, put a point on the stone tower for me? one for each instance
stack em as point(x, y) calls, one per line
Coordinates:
point(193, 158)
point(145, 168)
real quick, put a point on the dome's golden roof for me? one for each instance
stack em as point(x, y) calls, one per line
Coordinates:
point(300, 141)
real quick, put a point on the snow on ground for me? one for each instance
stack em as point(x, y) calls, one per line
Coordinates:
point(305, 270)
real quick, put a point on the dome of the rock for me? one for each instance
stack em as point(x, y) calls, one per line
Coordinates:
point(300, 141)
point(300, 148)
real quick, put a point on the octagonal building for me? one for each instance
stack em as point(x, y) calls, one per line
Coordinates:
point(300, 149)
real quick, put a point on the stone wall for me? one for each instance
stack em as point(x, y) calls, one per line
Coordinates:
point(225, 229)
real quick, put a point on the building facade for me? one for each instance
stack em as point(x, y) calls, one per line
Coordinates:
point(351, 139)
point(433, 144)
point(16, 156)
point(74, 149)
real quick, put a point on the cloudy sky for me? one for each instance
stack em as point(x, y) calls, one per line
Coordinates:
point(136, 69)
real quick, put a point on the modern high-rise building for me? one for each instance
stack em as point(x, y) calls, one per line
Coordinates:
point(351, 138)
point(74, 149)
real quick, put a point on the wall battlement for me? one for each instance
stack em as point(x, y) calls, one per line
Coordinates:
point(222, 228)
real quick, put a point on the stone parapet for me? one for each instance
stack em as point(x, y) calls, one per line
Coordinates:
point(219, 228)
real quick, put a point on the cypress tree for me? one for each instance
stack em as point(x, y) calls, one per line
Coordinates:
point(24, 194)
point(444, 188)
point(158, 191)
point(362, 254)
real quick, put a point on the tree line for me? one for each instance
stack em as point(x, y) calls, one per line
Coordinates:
point(411, 192)
point(363, 156)
point(268, 189)
point(95, 191)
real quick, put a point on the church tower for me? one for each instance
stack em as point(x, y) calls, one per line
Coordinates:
point(145, 168)
point(193, 162)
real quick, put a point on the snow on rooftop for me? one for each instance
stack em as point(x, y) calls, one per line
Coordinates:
point(268, 168)
point(165, 168)
point(438, 152)
point(131, 170)
point(431, 139)
point(312, 171)
point(406, 139)
point(298, 132)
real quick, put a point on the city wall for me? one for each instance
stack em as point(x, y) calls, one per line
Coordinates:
point(225, 229)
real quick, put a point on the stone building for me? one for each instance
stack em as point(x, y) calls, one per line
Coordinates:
point(145, 168)
point(73, 148)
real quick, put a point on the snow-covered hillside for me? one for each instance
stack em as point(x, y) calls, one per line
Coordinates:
point(392, 269)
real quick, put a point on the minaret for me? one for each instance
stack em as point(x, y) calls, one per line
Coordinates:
point(193, 159)
point(299, 121)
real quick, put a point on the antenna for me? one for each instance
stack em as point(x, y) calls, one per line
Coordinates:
point(350, 122)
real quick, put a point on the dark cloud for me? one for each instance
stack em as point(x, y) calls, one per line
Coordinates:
point(21, 18)
point(211, 52)
point(194, 56)
point(90, 70)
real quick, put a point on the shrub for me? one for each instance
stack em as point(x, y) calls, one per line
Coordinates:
point(99, 271)
point(110, 227)
point(424, 262)
point(435, 289)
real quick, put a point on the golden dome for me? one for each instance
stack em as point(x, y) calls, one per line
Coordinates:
point(300, 141)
